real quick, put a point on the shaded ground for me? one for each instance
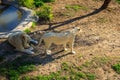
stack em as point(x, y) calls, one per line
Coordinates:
point(100, 38)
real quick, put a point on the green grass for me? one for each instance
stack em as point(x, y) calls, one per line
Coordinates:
point(118, 1)
point(26, 68)
point(45, 13)
point(48, 0)
point(87, 64)
point(14, 69)
point(27, 30)
point(116, 67)
point(45, 77)
point(65, 66)
point(99, 61)
point(26, 3)
point(13, 74)
point(33, 25)
point(53, 76)
point(76, 7)
point(38, 3)
point(91, 76)
point(102, 20)
point(67, 72)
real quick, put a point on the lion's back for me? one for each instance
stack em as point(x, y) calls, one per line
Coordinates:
point(58, 38)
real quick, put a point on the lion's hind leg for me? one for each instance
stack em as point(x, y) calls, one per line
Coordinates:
point(47, 45)
point(65, 49)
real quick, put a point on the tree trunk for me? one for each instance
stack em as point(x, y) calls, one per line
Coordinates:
point(105, 4)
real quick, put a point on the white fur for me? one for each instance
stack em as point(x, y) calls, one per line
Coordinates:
point(20, 41)
point(63, 38)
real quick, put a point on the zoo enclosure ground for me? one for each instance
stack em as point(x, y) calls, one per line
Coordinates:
point(99, 39)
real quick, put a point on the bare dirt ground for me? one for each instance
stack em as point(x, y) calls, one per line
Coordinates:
point(100, 37)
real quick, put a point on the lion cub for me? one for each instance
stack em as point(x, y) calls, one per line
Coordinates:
point(63, 38)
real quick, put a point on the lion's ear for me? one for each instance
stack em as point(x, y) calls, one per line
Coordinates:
point(23, 37)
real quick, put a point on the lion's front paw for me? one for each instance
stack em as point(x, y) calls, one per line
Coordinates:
point(65, 49)
point(73, 52)
point(29, 51)
point(48, 52)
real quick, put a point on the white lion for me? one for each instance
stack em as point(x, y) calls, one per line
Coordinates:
point(20, 41)
point(63, 38)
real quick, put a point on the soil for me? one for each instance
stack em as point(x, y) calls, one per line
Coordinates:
point(99, 37)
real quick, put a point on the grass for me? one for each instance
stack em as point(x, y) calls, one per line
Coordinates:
point(38, 3)
point(45, 77)
point(67, 72)
point(13, 74)
point(116, 67)
point(27, 30)
point(13, 70)
point(76, 7)
point(87, 64)
point(45, 13)
point(26, 3)
point(26, 68)
point(102, 20)
point(65, 66)
point(91, 76)
point(48, 0)
point(53, 76)
point(118, 1)
point(101, 60)
point(33, 25)
point(72, 9)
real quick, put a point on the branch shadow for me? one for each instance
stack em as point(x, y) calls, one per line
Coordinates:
point(52, 26)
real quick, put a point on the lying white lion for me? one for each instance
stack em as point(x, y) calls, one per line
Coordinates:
point(20, 41)
point(63, 38)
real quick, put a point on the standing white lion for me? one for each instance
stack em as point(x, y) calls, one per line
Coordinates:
point(63, 38)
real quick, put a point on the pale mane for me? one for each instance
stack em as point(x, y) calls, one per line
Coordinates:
point(20, 41)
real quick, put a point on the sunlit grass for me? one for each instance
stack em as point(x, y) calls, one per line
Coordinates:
point(27, 30)
point(76, 7)
point(116, 67)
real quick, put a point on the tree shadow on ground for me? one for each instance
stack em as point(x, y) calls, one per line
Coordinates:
point(52, 26)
